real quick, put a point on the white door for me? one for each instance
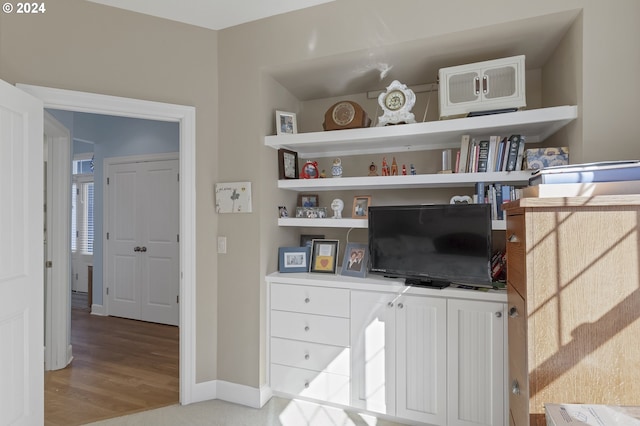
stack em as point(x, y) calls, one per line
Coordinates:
point(142, 272)
point(21, 258)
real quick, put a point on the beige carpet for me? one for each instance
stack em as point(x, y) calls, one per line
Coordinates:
point(277, 412)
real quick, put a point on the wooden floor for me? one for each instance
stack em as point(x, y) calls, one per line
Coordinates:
point(119, 367)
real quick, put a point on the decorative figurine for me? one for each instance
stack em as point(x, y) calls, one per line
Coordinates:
point(336, 168)
point(373, 169)
point(404, 170)
point(385, 167)
point(337, 205)
point(412, 169)
point(323, 174)
point(394, 167)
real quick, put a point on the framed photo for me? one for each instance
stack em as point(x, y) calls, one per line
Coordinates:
point(282, 211)
point(308, 200)
point(361, 206)
point(287, 164)
point(323, 256)
point(356, 256)
point(306, 239)
point(286, 123)
point(293, 259)
point(311, 212)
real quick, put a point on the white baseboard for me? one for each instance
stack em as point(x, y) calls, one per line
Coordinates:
point(231, 392)
point(98, 310)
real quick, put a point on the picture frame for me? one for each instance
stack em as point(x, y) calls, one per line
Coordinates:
point(361, 205)
point(288, 164)
point(311, 212)
point(324, 255)
point(282, 212)
point(308, 200)
point(306, 239)
point(355, 261)
point(286, 123)
point(293, 259)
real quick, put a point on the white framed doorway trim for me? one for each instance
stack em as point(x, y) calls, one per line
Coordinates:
point(186, 117)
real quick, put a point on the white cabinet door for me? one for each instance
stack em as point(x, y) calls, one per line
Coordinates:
point(373, 351)
point(421, 359)
point(476, 370)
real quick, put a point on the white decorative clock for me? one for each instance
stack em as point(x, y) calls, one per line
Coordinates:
point(396, 102)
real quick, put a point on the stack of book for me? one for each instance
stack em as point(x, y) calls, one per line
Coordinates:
point(493, 154)
point(589, 179)
point(496, 194)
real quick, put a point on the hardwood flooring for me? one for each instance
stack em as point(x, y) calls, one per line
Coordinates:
point(119, 367)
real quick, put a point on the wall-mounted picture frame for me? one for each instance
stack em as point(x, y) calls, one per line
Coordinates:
point(307, 239)
point(311, 212)
point(324, 256)
point(287, 164)
point(308, 200)
point(286, 123)
point(356, 258)
point(233, 197)
point(361, 205)
point(293, 259)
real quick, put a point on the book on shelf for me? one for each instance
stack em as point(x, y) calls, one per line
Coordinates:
point(606, 171)
point(483, 156)
point(584, 189)
point(464, 154)
point(512, 153)
point(520, 156)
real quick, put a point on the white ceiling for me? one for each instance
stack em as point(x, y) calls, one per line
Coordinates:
point(212, 14)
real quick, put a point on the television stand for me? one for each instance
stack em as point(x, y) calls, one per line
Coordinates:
point(426, 283)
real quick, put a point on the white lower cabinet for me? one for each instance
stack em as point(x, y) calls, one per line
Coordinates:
point(399, 355)
point(426, 358)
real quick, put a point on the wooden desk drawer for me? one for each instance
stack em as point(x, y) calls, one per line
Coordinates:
point(311, 384)
point(516, 253)
point(518, 367)
point(310, 328)
point(311, 356)
point(311, 300)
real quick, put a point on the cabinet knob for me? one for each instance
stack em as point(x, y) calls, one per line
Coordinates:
point(307, 300)
point(306, 385)
point(306, 356)
point(498, 314)
point(306, 328)
point(136, 248)
point(515, 387)
point(513, 238)
point(513, 312)
point(390, 304)
point(400, 306)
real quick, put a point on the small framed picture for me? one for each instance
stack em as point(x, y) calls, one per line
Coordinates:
point(293, 259)
point(286, 123)
point(311, 212)
point(323, 256)
point(287, 164)
point(361, 206)
point(306, 239)
point(282, 211)
point(356, 256)
point(308, 200)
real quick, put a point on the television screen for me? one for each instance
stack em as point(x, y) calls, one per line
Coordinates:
point(431, 244)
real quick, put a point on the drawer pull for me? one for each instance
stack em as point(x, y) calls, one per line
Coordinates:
point(307, 300)
point(513, 238)
point(306, 356)
point(390, 304)
point(306, 328)
point(513, 312)
point(498, 314)
point(515, 387)
point(400, 306)
point(306, 385)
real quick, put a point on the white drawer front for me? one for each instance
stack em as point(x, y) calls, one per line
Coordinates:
point(311, 356)
point(312, 384)
point(311, 300)
point(310, 328)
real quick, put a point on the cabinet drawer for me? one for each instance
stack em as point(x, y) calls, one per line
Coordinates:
point(516, 253)
point(311, 356)
point(310, 328)
point(518, 371)
point(311, 300)
point(312, 384)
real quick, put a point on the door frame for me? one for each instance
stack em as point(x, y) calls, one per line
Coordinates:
point(109, 163)
point(58, 350)
point(186, 117)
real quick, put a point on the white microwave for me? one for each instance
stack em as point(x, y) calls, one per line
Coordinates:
point(482, 87)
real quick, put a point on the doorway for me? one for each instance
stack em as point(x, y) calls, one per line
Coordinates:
point(185, 116)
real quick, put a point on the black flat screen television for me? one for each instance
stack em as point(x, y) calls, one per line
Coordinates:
point(431, 245)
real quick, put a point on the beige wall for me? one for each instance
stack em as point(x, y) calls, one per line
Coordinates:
point(82, 46)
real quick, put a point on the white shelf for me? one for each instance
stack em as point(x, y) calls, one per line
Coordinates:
point(323, 223)
point(536, 125)
point(448, 180)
